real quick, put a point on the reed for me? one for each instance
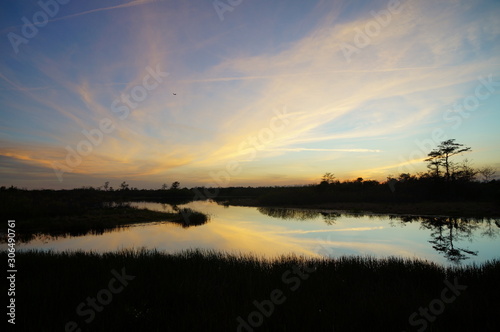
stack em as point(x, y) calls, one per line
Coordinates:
point(208, 290)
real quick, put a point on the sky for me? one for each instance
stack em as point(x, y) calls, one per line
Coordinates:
point(242, 93)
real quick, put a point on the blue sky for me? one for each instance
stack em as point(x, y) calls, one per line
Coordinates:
point(359, 93)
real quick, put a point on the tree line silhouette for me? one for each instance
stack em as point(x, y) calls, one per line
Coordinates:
point(445, 180)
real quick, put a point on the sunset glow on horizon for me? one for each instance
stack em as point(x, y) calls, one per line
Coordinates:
point(242, 93)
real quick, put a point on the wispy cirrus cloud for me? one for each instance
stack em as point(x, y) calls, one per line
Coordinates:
point(132, 3)
point(229, 80)
point(322, 150)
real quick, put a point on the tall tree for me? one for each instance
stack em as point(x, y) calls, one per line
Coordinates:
point(124, 186)
point(328, 178)
point(487, 173)
point(442, 154)
point(434, 167)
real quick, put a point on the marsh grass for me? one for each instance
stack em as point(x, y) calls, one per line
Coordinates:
point(207, 290)
point(97, 221)
point(188, 217)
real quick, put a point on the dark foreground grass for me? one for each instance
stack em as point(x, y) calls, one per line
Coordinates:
point(208, 291)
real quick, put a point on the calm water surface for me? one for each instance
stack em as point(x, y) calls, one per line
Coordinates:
point(272, 232)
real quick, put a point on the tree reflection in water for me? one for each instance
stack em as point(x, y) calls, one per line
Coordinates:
point(447, 231)
point(298, 214)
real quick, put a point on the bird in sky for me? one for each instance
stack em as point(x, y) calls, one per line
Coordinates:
point(175, 94)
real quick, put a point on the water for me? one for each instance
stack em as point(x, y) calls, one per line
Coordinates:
point(274, 232)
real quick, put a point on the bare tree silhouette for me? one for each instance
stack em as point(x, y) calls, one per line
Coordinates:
point(441, 156)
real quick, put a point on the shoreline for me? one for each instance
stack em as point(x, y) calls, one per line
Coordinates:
point(104, 219)
point(445, 209)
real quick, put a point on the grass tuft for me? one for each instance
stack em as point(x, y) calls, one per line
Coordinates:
point(208, 290)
